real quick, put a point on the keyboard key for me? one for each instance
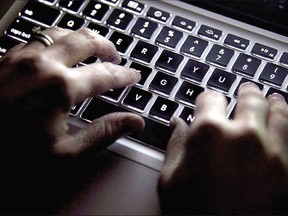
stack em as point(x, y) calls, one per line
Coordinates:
point(194, 46)
point(119, 19)
point(154, 134)
point(121, 41)
point(169, 61)
point(272, 90)
point(71, 5)
point(158, 15)
point(95, 10)
point(137, 99)
point(40, 13)
point(75, 109)
point(209, 32)
point(236, 42)
point(163, 83)
point(145, 71)
point(264, 51)
point(111, 2)
point(133, 6)
point(98, 29)
point(194, 70)
point(219, 55)
point(273, 74)
point(144, 28)
point(70, 21)
point(188, 93)
point(221, 80)
point(97, 108)
point(246, 64)
point(284, 58)
point(144, 51)
point(183, 23)
point(114, 94)
point(21, 29)
point(243, 80)
point(169, 37)
point(163, 109)
point(6, 43)
point(187, 115)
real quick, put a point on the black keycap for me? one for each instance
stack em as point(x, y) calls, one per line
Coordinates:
point(195, 70)
point(121, 41)
point(194, 46)
point(246, 64)
point(41, 13)
point(209, 32)
point(144, 51)
point(284, 58)
point(158, 15)
point(75, 109)
point(219, 55)
point(236, 42)
point(187, 115)
point(243, 80)
point(73, 5)
point(119, 19)
point(183, 23)
point(154, 134)
point(272, 90)
point(145, 71)
point(273, 74)
point(21, 29)
point(169, 37)
point(137, 98)
point(97, 108)
point(264, 51)
point(169, 61)
point(188, 93)
point(70, 21)
point(144, 28)
point(98, 29)
point(6, 43)
point(163, 109)
point(114, 94)
point(163, 83)
point(221, 80)
point(123, 62)
point(134, 6)
point(95, 10)
point(90, 60)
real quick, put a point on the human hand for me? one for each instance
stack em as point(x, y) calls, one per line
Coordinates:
point(39, 85)
point(221, 166)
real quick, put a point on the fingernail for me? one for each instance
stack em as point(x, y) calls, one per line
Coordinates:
point(247, 85)
point(276, 97)
point(137, 73)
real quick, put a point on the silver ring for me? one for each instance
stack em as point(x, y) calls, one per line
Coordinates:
point(43, 38)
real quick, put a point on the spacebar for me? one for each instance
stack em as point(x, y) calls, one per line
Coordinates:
point(154, 134)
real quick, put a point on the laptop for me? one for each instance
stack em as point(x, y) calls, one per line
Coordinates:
point(181, 49)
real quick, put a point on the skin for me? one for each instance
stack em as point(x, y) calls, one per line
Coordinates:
point(221, 166)
point(38, 87)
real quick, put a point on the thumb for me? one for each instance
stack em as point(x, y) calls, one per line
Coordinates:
point(175, 151)
point(98, 135)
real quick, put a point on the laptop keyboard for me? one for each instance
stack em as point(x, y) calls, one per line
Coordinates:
point(178, 59)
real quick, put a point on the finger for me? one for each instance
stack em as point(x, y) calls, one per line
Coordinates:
point(98, 135)
point(79, 45)
point(98, 78)
point(175, 150)
point(278, 118)
point(252, 107)
point(54, 32)
point(211, 105)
